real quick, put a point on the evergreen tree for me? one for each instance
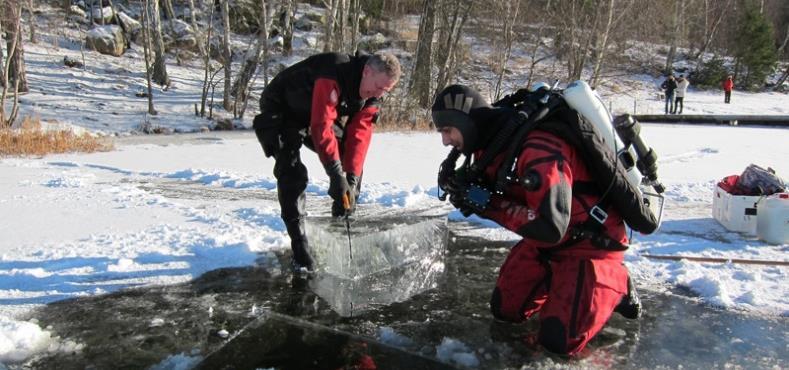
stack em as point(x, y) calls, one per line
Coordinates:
point(755, 48)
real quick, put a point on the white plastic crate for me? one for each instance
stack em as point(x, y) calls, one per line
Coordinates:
point(735, 212)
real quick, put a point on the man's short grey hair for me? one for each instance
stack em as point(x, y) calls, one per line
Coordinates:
point(385, 62)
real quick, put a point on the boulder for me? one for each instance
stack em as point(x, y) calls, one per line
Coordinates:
point(106, 40)
point(131, 26)
point(373, 42)
point(106, 12)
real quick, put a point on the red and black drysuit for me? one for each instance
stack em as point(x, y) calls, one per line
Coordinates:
point(572, 284)
point(305, 104)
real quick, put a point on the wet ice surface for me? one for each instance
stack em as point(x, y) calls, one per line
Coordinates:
point(263, 317)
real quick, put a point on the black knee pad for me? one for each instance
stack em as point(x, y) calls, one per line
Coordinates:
point(553, 335)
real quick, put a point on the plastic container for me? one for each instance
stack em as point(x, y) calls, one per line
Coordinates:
point(735, 212)
point(772, 223)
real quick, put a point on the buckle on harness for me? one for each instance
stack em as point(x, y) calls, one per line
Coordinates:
point(598, 214)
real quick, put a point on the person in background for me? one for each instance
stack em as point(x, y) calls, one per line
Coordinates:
point(571, 282)
point(682, 89)
point(669, 86)
point(728, 86)
point(305, 105)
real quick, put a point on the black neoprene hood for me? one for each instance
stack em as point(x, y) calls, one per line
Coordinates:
point(455, 106)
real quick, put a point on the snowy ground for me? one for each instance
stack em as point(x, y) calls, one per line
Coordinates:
point(85, 224)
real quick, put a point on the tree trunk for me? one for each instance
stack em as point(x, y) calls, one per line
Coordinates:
point(783, 78)
point(226, 55)
point(602, 44)
point(32, 22)
point(206, 63)
point(198, 33)
point(287, 27)
point(781, 48)
point(331, 16)
point(421, 76)
point(15, 67)
point(510, 16)
point(169, 12)
point(356, 14)
point(252, 59)
point(676, 23)
point(159, 66)
point(451, 32)
point(339, 30)
point(711, 34)
point(146, 35)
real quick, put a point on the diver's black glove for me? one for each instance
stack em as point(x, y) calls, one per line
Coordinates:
point(462, 194)
point(339, 185)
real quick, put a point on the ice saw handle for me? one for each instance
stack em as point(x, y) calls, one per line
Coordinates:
point(346, 201)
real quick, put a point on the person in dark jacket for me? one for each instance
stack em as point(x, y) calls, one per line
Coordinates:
point(669, 86)
point(572, 284)
point(305, 104)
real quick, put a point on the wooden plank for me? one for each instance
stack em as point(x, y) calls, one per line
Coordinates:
point(717, 260)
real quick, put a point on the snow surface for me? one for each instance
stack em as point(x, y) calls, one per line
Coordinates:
point(84, 224)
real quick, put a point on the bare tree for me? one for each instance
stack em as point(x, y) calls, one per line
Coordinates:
point(421, 76)
point(356, 14)
point(674, 36)
point(14, 65)
point(207, 64)
point(331, 16)
point(32, 21)
point(711, 28)
point(169, 12)
point(510, 13)
point(287, 27)
point(453, 17)
point(603, 35)
point(227, 56)
point(155, 23)
point(339, 29)
point(252, 60)
point(201, 43)
point(146, 36)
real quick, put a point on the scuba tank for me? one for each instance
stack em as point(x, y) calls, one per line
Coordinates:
point(622, 136)
point(580, 97)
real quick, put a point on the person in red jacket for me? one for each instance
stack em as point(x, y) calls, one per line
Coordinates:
point(559, 269)
point(728, 86)
point(328, 103)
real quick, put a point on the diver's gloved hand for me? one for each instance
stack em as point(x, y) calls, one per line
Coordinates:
point(457, 189)
point(338, 184)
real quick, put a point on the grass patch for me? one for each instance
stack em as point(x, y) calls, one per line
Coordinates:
point(32, 140)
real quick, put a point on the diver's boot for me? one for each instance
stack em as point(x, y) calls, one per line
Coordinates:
point(630, 305)
point(301, 262)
